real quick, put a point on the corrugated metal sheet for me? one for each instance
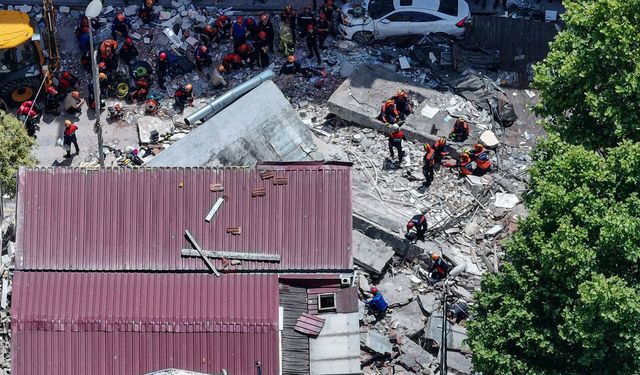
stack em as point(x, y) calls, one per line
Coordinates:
point(309, 324)
point(121, 219)
point(134, 323)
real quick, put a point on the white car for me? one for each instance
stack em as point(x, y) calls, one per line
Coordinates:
point(380, 19)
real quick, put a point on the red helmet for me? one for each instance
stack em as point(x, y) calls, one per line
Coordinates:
point(102, 65)
point(236, 58)
point(410, 225)
point(374, 290)
point(310, 27)
point(204, 49)
point(162, 56)
point(329, 2)
point(244, 48)
point(249, 21)
point(51, 90)
point(323, 17)
point(262, 35)
point(128, 40)
point(120, 17)
point(239, 19)
point(66, 75)
point(85, 29)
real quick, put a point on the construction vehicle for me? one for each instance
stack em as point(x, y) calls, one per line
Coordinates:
point(23, 66)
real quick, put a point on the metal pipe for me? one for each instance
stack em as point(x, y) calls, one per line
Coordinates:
point(223, 101)
point(96, 95)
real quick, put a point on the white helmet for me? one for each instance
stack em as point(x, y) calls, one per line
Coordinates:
point(395, 127)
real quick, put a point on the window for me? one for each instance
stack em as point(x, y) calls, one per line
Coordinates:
point(422, 17)
point(449, 7)
point(12, 59)
point(406, 3)
point(399, 17)
point(380, 8)
point(326, 302)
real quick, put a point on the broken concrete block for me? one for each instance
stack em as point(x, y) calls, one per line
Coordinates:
point(4, 300)
point(396, 290)
point(415, 279)
point(493, 231)
point(346, 69)
point(429, 111)
point(182, 9)
point(404, 63)
point(164, 16)
point(135, 36)
point(506, 200)
point(413, 357)
point(146, 40)
point(64, 9)
point(147, 124)
point(107, 10)
point(488, 139)
point(408, 319)
point(456, 336)
point(459, 362)
point(200, 18)
point(474, 180)
point(462, 292)
point(25, 8)
point(192, 41)
point(375, 342)
point(177, 3)
point(372, 255)
point(428, 302)
point(131, 10)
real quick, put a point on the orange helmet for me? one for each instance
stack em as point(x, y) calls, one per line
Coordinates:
point(442, 141)
point(68, 123)
point(204, 49)
point(75, 94)
point(221, 68)
point(102, 76)
point(401, 93)
point(435, 256)
point(188, 87)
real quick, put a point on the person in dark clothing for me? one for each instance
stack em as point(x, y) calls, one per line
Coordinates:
point(251, 27)
point(162, 66)
point(288, 16)
point(84, 44)
point(29, 124)
point(104, 85)
point(202, 57)
point(238, 33)
point(70, 138)
point(182, 97)
point(232, 61)
point(266, 26)
point(209, 35)
point(323, 29)
point(460, 131)
point(458, 312)
point(246, 54)
point(66, 82)
point(417, 224)
point(439, 268)
point(223, 24)
point(128, 52)
point(328, 9)
point(262, 50)
point(428, 162)
point(146, 12)
point(305, 19)
point(312, 43)
point(120, 26)
point(395, 142)
point(403, 104)
point(52, 101)
point(290, 67)
point(377, 304)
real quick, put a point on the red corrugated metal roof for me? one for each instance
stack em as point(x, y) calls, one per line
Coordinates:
point(122, 219)
point(131, 323)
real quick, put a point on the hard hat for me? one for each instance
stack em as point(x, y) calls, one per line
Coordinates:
point(244, 48)
point(102, 65)
point(390, 101)
point(249, 21)
point(102, 76)
point(374, 290)
point(410, 224)
point(423, 211)
point(162, 56)
point(221, 68)
point(75, 94)
point(66, 75)
point(401, 93)
point(240, 19)
point(291, 58)
point(204, 49)
point(51, 90)
point(128, 40)
point(427, 147)
point(310, 26)
point(264, 17)
point(262, 35)
point(288, 8)
point(120, 16)
point(188, 87)
point(435, 256)
point(395, 127)
point(149, 2)
point(323, 16)
point(85, 29)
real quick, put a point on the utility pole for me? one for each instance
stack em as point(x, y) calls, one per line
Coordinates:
point(93, 10)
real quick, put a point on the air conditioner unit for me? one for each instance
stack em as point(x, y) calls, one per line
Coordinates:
point(346, 280)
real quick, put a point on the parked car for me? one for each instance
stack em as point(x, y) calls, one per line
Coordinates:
point(380, 19)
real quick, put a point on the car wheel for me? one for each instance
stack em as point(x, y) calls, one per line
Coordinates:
point(363, 37)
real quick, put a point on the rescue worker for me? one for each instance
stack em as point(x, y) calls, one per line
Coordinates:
point(290, 67)
point(287, 39)
point(246, 54)
point(66, 82)
point(389, 114)
point(73, 102)
point(251, 27)
point(418, 223)
point(266, 26)
point(182, 97)
point(288, 17)
point(162, 66)
point(458, 312)
point(202, 57)
point(238, 33)
point(305, 19)
point(395, 142)
point(27, 108)
point(120, 26)
point(377, 304)
point(428, 164)
point(467, 166)
point(52, 102)
point(323, 29)
point(312, 43)
point(223, 24)
point(108, 55)
point(84, 44)
point(128, 51)
point(209, 35)
point(29, 124)
point(481, 158)
point(403, 104)
point(460, 131)
point(439, 148)
point(232, 61)
point(104, 85)
point(146, 12)
point(262, 50)
point(328, 9)
point(439, 268)
point(215, 77)
point(70, 138)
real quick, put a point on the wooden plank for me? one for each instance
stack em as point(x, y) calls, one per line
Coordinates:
point(309, 324)
point(215, 208)
point(258, 257)
point(199, 250)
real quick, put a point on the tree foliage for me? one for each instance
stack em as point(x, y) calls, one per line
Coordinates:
point(15, 151)
point(590, 80)
point(568, 299)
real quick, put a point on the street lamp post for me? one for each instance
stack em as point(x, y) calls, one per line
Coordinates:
point(93, 10)
point(457, 270)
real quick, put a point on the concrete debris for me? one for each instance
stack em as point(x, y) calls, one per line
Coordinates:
point(64, 9)
point(396, 290)
point(372, 255)
point(408, 320)
point(506, 200)
point(404, 63)
point(25, 8)
point(459, 362)
point(107, 10)
point(375, 342)
point(493, 231)
point(131, 10)
point(414, 357)
point(489, 139)
point(428, 303)
point(164, 16)
point(147, 125)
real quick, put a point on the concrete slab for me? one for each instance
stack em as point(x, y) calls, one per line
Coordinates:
point(413, 357)
point(429, 303)
point(408, 319)
point(373, 255)
point(147, 124)
point(459, 362)
point(261, 125)
point(456, 336)
point(336, 350)
point(396, 290)
point(376, 342)
point(360, 97)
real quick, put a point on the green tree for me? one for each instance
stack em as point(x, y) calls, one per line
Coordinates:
point(568, 299)
point(590, 80)
point(15, 151)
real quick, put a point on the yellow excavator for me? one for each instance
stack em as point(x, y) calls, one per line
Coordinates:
point(25, 65)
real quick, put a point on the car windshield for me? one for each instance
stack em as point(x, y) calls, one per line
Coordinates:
point(12, 59)
point(449, 7)
point(380, 8)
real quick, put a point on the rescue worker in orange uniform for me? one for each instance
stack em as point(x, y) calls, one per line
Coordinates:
point(460, 131)
point(403, 104)
point(481, 158)
point(395, 141)
point(467, 166)
point(389, 114)
point(439, 149)
point(428, 164)
point(439, 268)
